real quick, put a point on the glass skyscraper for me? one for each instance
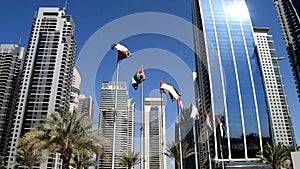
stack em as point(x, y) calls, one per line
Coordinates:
point(229, 83)
point(288, 12)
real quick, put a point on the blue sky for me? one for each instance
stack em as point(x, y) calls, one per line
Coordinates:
point(150, 30)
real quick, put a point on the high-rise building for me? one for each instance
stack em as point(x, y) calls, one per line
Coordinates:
point(229, 84)
point(124, 131)
point(279, 114)
point(288, 12)
point(155, 134)
point(85, 106)
point(11, 60)
point(75, 91)
point(47, 73)
point(187, 135)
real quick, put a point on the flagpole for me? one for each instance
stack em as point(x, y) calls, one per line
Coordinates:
point(195, 144)
point(179, 133)
point(208, 147)
point(221, 149)
point(142, 127)
point(161, 132)
point(115, 114)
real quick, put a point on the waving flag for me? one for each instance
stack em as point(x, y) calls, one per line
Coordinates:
point(180, 105)
point(169, 90)
point(207, 119)
point(221, 126)
point(194, 111)
point(123, 52)
point(138, 78)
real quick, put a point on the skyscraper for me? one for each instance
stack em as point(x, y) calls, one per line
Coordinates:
point(124, 135)
point(85, 106)
point(288, 12)
point(155, 133)
point(280, 118)
point(75, 91)
point(187, 135)
point(11, 60)
point(229, 85)
point(47, 73)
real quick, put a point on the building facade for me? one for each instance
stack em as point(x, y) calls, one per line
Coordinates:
point(124, 131)
point(229, 84)
point(187, 135)
point(154, 134)
point(279, 114)
point(86, 106)
point(288, 12)
point(11, 60)
point(47, 74)
point(75, 91)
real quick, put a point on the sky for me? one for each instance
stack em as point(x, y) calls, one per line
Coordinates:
point(158, 33)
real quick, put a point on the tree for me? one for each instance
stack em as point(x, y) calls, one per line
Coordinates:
point(81, 159)
point(2, 161)
point(274, 154)
point(129, 159)
point(173, 151)
point(64, 133)
point(29, 158)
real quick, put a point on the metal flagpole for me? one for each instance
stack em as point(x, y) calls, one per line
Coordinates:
point(179, 133)
point(221, 149)
point(208, 147)
point(115, 114)
point(161, 131)
point(142, 127)
point(195, 144)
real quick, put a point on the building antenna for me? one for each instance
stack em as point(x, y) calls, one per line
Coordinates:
point(20, 40)
point(65, 7)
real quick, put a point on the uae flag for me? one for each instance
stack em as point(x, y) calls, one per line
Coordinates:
point(169, 90)
point(138, 78)
point(123, 52)
point(207, 119)
point(180, 105)
point(194, 112)
point(221, 127)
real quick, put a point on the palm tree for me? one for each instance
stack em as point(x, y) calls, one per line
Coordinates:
point(29, 158)
point(2, 161)
point(65, 132)
point(129, 159)
point(82, 158)
point(173, 151)
point(274, 154)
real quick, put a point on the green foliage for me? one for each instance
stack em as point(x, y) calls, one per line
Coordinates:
point(2, 162)
point(173, 151)
point(81, 159)
point(274, 154)
point(129, 159)
point(65, 133)
point(29, 158)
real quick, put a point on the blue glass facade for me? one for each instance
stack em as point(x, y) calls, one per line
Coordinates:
point(236, 87)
